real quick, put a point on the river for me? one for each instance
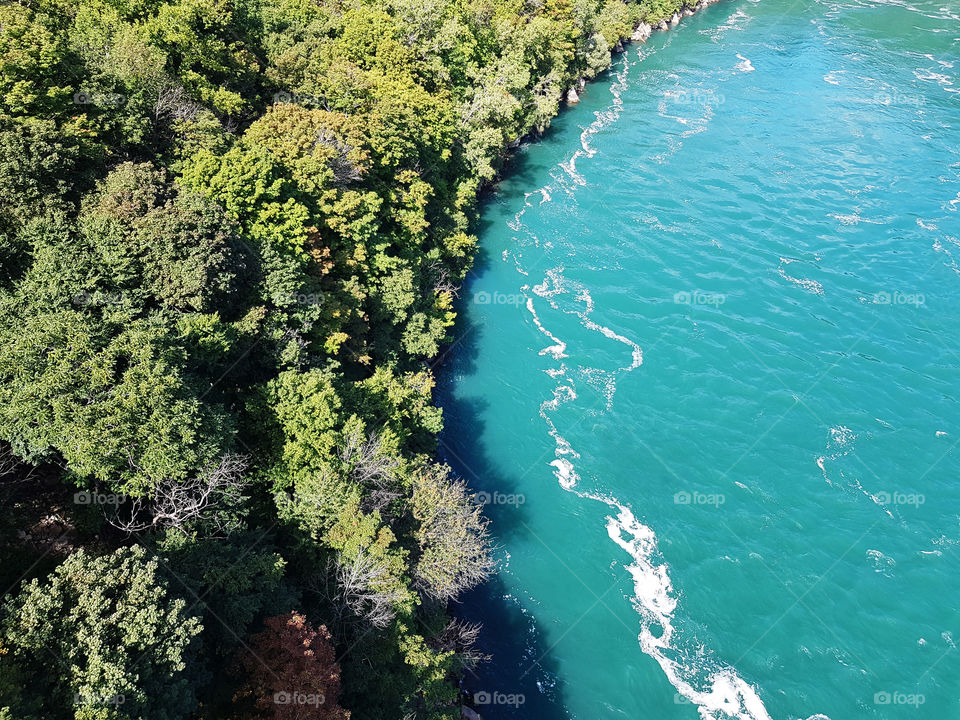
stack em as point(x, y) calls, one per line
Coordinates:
point(707, 376)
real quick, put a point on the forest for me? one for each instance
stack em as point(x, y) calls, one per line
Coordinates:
point(232, 238)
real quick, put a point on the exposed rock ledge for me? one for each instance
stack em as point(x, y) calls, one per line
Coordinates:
point(643, 31)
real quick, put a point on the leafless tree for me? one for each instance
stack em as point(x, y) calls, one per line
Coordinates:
point(174, 102)
point(443, 283)
point(361, 588)
point(371, 468)
point(460, 637)
point(453, 535)
point(208, 496)
point(344, 169)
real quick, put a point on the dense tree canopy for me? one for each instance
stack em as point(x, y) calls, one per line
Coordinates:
point(101, 638)
point(231, 238)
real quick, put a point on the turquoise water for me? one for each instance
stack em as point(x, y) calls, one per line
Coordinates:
point(707, 377)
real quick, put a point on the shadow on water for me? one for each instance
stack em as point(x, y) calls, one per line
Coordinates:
point(521, 665)
point(459, 443)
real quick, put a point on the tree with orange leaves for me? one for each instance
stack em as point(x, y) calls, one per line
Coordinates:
point(291, 672)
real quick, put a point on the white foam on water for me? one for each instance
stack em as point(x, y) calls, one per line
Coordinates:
point(718, 690)
point(563, 468)
point(853, 219)
point(636, 352)
point(559, 348)
point(565, 473)
point(811, 286)
point(939, 248)
point(882, 564)
point(928, 74)
point(839, 444)
point(744, 65)
point(555, 284)
point(737, 21)
point(604, 381)
point(602, 119)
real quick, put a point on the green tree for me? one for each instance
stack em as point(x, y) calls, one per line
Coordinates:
point(103, 638)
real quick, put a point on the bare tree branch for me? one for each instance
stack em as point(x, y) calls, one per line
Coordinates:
point(460, 637)
point(13, 470)
point(373, 469)
point(361, 588)
point(208, 496)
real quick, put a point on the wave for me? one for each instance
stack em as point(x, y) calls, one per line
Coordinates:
point(559, 348)
point(555, 284)
point(716, 689)
point(839, 445)
point(738, 21)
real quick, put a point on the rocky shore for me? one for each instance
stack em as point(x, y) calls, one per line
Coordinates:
point(642, 33)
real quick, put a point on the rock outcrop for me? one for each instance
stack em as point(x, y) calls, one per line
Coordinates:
point(642, 32)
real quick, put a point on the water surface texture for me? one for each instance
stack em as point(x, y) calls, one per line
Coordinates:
point(707, 378)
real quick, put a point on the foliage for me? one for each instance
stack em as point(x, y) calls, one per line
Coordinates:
point(231, 237)
point(291, 672)
point(103, 638)
point(452, 535)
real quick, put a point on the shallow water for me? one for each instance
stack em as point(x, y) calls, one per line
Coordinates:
point(707, 378)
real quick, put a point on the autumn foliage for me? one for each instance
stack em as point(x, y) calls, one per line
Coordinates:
point(290, 672)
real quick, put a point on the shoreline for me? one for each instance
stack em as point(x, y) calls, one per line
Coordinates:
point(642, 32)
